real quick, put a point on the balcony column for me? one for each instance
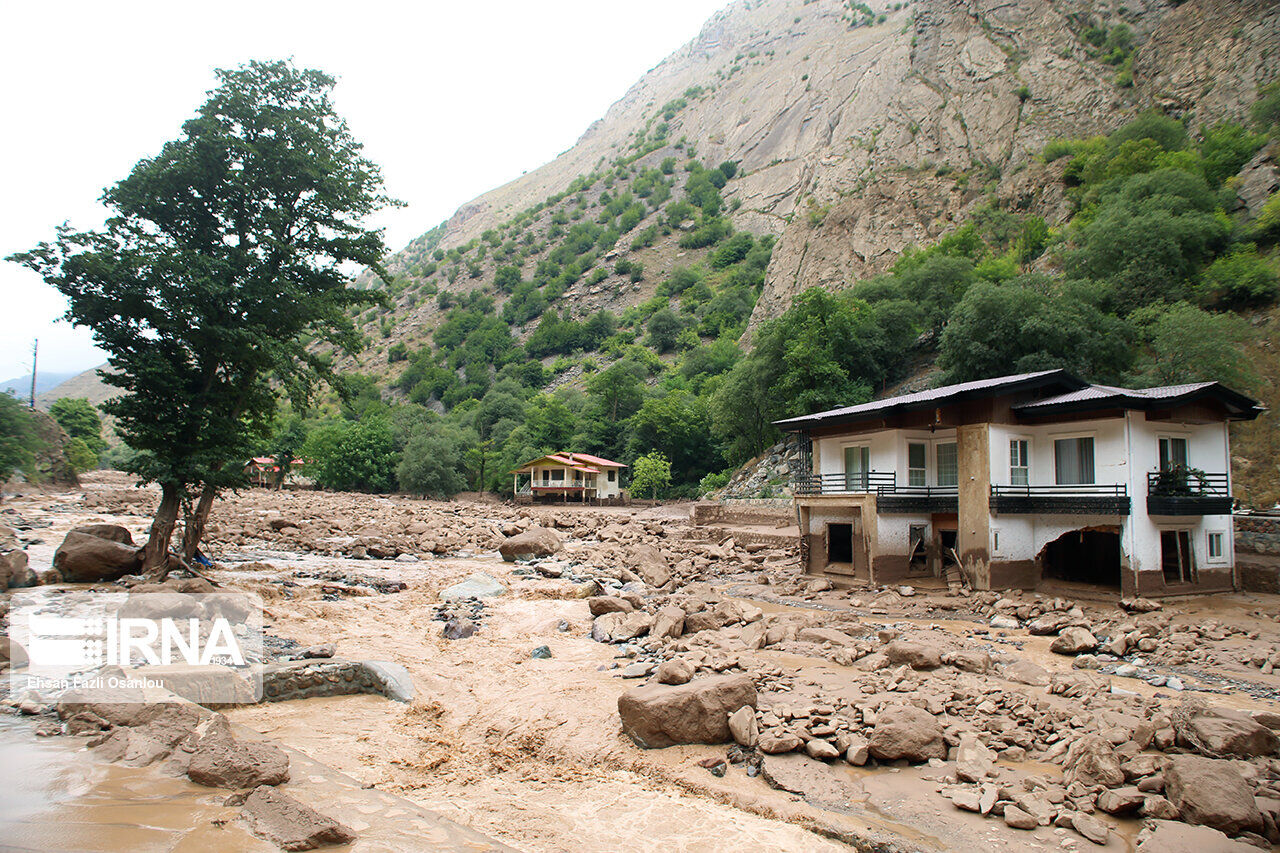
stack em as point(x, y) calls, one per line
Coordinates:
point(973, 461)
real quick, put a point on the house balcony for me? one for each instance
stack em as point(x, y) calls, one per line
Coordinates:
point(1076, 499)
point(890, 497)
point(1182, 491)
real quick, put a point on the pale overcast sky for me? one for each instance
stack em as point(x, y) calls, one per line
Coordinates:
point(450, 98)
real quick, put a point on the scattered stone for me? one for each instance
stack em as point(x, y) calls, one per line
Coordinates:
point(1018, 819)
point(223, 761)
point(541, 653)
point(1091, 760)
point(601, 604)
point(743, 726)
point(458, 629)
point(821, 750)
point(1090, 827)
point(914, 655)
point(974, 761)
point(775, 742)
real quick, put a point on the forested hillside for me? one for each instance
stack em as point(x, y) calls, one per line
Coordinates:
point(817, 201)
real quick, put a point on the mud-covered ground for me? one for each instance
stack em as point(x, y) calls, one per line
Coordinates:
point(1051, 721)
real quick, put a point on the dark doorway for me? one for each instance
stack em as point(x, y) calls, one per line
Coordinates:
point(1175, 556)
point(1084, 556)
point(840, 543)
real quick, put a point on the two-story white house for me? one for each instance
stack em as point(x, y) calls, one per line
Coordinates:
point(568, 476)
point(1020, 479)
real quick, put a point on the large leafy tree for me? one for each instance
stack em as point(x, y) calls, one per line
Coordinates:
point(79, 419)
point(219, 276)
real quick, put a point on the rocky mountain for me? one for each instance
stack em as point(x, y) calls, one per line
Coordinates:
point(858, 131)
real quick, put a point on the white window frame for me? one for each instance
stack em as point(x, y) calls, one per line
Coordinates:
point(1167, 436)
point(937, 468)
point(996, 551)
point(1209, 556)
point(1068, 436)
point(924, 443)
point(1026, 462)
point(844, 461)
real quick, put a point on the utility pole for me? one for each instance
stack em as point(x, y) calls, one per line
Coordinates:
point(35, 356)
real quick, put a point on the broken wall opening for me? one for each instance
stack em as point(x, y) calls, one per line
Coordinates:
point(1090, 555)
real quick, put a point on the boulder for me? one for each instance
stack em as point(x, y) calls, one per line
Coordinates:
point(1090, 827)
point(675, 671)
point(904, 731)
point(669, 622)
point(743, 726)
point(87, 558)
point(971, 660)
point(1026, 672)
point(648, 562)
point(660, 715)
point(1165, 836)
point(1121, 801)
point(914, 655)
point(111, 532)
point(599, 605)
point(222, 761)
point(776, 742)
point(620, 627)
point(1211, 792)
point(534, 542)
point(1018, 819)
point(14, 571)
point(1222, 732)
point(821, 750)
point(1091, 761)
point(825, 635)
point(279, 818)
point(1073, 641)
point(973, 759)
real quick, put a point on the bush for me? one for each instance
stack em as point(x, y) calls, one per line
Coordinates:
point(1238, 280)
point(432, 464)
point(397, 352)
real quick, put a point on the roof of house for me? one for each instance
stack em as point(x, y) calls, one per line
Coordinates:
point(1075, 395)
point(583, 462)
point(1111, 396)
point(936, 396)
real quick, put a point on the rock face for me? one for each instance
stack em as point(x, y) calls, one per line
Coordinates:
point(660, 715)
point(282, 820)
point(85, 556)
point(534, 542)
point(222, 761)
point(1222, 732)
point(907, 732)
point(1211, 792)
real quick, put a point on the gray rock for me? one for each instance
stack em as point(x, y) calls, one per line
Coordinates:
point(289, 824)
point(541, 653)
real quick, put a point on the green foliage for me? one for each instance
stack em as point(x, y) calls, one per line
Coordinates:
point(650, 474)
point(1225, 148)
point(80, 456)
point(663, 327)
point(1267, 225)
point(1029, 324)
point(1183, 343)
point(1240, 279)
point(19, 441)
point(359, 456)
point(432, 463)
point(1266, 110)
point(1150, 237)
point(79, 419)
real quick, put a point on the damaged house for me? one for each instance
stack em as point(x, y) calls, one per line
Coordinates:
point(1012, 481)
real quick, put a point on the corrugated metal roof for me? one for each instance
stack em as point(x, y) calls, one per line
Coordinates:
point(946, 393)
point(596, 460)
point(1097, 396)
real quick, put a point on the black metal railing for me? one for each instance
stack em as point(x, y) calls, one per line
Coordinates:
point(1187, 483)
point(1062, 498)
point(869, 482)
point(1188, 491)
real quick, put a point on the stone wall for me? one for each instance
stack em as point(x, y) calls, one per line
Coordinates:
point(1258, 552)
point(307, 679)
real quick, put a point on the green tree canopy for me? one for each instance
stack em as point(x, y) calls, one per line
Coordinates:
point(79, 419)
point(224, 257)
point(650, 474)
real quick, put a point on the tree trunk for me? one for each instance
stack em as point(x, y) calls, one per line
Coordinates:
point(155, 554)
point(194, 530)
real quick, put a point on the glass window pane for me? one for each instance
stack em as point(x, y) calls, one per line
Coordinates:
point(948, 474)
point(1073, 461)
point(1018, 470)
point(917, 474)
